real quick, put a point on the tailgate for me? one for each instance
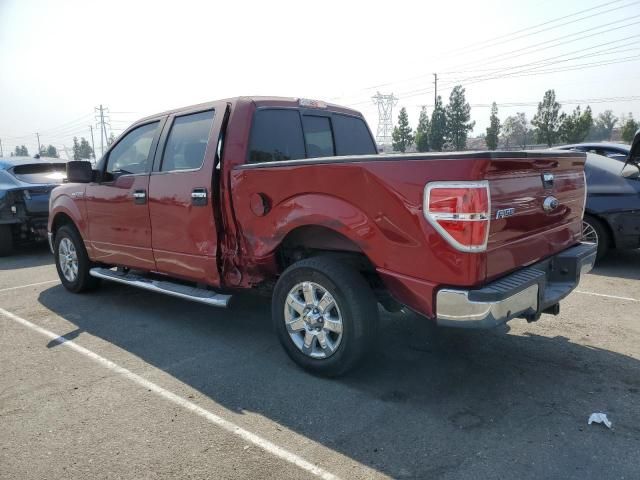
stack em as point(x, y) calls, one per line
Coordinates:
point(537, 204)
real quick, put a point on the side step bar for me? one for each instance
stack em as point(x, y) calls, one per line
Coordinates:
point(194, 294)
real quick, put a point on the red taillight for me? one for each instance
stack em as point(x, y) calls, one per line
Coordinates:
point(460, 212)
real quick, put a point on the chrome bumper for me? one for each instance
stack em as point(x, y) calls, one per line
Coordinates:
point(50, 239)
point(526, 293)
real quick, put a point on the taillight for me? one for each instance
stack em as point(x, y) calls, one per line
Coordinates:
point(460, 212)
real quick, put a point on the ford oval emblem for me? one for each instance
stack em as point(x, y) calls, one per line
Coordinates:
point(550, 204)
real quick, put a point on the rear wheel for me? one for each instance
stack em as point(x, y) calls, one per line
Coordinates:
point(594, 231)
point(72, 261)
point(6, 240)
point(325, 315)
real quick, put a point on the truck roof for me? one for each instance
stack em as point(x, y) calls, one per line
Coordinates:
point(258, 101)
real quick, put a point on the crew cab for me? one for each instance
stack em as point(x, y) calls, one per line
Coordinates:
point(290, 196)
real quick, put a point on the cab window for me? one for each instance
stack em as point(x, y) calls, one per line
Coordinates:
point(187, 142)
point(276, 135)
point(131, 154)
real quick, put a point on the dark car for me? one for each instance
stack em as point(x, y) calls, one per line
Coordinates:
point(617, 151)
point(25, 186)
point(612, 214)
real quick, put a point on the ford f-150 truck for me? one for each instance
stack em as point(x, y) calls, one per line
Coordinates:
point(290, 196)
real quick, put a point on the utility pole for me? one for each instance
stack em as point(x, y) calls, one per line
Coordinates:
point(385, 105)
point(92, 144)
point(435, 92)
point(1, 153)
point(38, 136)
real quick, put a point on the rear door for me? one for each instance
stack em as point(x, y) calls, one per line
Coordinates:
point(181, 209)
point(117, 207)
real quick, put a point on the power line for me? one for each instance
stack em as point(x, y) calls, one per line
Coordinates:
point(483, 44)
point(530, 65)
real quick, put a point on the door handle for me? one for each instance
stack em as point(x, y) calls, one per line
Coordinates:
point(139, 197)
point(199, 197)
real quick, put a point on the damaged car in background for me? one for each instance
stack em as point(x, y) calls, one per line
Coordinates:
point(612, 214)
point(25, 187)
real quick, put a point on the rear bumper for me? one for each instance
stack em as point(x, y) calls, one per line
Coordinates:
point(526, 293)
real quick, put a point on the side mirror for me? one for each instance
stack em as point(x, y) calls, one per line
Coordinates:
point(79, 171)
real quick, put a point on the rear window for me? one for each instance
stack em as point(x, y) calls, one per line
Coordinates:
point(318, 136)
point(41, 172)
point(352, 136)
point(276, 135)
point(286, 134)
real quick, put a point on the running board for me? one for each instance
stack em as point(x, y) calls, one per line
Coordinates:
point(194, 294)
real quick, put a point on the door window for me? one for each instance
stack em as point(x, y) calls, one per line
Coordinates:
point(131, 154)
point(187, 142)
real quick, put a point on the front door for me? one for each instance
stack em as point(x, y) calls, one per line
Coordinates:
point(181, 209)
point(117, 206)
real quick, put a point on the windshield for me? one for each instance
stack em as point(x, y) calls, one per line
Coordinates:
point(41, 172)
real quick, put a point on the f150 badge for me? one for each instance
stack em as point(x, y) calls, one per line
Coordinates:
point(505, 212)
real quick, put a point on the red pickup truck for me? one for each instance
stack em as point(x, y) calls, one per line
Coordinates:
point(291, 196)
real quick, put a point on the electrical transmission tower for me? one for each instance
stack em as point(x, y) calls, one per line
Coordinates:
point(102, 122)
point(385, 105)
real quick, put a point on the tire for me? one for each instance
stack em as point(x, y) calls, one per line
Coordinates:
point(6, 240)
point(354, 305)
point(73, 245)
point(594, 230)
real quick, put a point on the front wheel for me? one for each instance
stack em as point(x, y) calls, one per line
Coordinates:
point(325, 315)
point(72, 261)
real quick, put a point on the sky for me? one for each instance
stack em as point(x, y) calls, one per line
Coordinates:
point(61, 59)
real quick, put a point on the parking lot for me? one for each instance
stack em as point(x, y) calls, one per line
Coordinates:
point(145, 386)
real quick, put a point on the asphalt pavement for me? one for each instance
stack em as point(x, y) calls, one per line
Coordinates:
point(122, 383)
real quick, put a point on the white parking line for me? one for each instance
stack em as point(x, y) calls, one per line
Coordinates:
point(230, 427)
point(615, 297)
point(28, 285)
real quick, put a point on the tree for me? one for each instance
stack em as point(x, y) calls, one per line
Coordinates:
point(516, 131)
point(438, 130)
point(629, 128)
point(575, 127)
point(402, 133)
point(547, 120)
point(603, 126)
point(111, 139)
point(493, 130)
point(422, 132)
point(85, 150)
point(21, 151)
point(76, 149)
point(49, 151)
point(458, 118)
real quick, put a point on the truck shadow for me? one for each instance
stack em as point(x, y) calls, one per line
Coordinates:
point(448, 405)
point(619, 263)
point(27, 256)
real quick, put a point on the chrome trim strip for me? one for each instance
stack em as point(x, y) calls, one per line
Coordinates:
point(208, 297)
